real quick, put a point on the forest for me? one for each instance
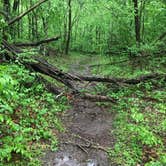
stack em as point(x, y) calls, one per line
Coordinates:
point(82, 83)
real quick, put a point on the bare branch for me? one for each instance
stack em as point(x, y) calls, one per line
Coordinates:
point(38, 42)
point(26, 12)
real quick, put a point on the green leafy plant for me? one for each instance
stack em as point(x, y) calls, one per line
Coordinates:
point(27, 114)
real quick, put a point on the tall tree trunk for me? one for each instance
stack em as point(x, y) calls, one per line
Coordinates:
point(6, 9)
point(137, 22)
point(69, 28)
point(6, 6)
point(142, 19)
point(15, 12)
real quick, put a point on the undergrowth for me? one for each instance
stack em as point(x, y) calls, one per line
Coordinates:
point(140, 124)
point(28, 117)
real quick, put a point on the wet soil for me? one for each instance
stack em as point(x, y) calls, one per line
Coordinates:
point(88, 133)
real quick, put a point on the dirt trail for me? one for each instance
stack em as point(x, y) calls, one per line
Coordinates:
point(88, 131)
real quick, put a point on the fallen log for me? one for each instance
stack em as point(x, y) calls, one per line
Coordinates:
point(42, 66)
point(14, 50)
point(37, 43)
point(116, 80)
point(144, 78)
point(26, 12)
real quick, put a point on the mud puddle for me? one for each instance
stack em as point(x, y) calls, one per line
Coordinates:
point(88, 133)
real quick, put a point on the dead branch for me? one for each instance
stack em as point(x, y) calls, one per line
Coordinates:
point(42, 66)
point(115, 80)
point(38, 42)
point(87, 146)
point(26, 12)
point(14, 50)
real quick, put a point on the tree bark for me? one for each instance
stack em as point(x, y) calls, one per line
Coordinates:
point(115, 80)
point(137, 22)
point(69, 28)
point(68, 79)
point(6, 6)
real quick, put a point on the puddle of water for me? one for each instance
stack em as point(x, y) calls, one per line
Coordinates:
point(92, 163)
point(68, 161)
point(65, 161)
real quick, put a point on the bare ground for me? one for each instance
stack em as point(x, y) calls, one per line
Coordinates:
point(88, 133)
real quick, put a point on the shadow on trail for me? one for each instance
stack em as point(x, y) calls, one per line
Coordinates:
point(88, 132)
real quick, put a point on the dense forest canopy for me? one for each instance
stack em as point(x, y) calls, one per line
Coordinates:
point(91, 26)
point(82, 82)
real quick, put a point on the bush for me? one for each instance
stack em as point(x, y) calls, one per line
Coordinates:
point(27, 112)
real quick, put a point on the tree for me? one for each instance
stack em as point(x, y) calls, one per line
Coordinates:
point(69, 27)
point(137, 22)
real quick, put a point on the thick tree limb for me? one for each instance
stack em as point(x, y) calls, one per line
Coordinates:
point(43, 67)
point(122, 80)
point(68, 79)
point(38, 42)
point(26, 12)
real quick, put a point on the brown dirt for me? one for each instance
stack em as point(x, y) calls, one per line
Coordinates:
point(88, 133)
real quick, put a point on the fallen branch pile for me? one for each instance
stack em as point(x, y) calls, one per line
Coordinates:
point(41, 66)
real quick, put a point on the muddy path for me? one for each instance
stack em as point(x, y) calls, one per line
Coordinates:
point(88, 131)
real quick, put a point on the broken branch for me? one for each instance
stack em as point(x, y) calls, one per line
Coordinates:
point(26, 12)
point(38, 42)
point(133, 81)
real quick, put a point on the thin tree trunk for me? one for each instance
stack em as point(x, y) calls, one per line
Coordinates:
point(142, 19)
point(26, 12)
point(69, 28)
point(15, 11)
point(137, 22)
point(6, 9)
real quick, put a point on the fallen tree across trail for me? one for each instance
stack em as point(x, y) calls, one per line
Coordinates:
point(37, 43)
point(116, 80)
point(42, 66)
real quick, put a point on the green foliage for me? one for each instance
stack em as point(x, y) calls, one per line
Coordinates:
point(27, 114)
point(97, 26)
point(140, 124)
point(140, 112)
